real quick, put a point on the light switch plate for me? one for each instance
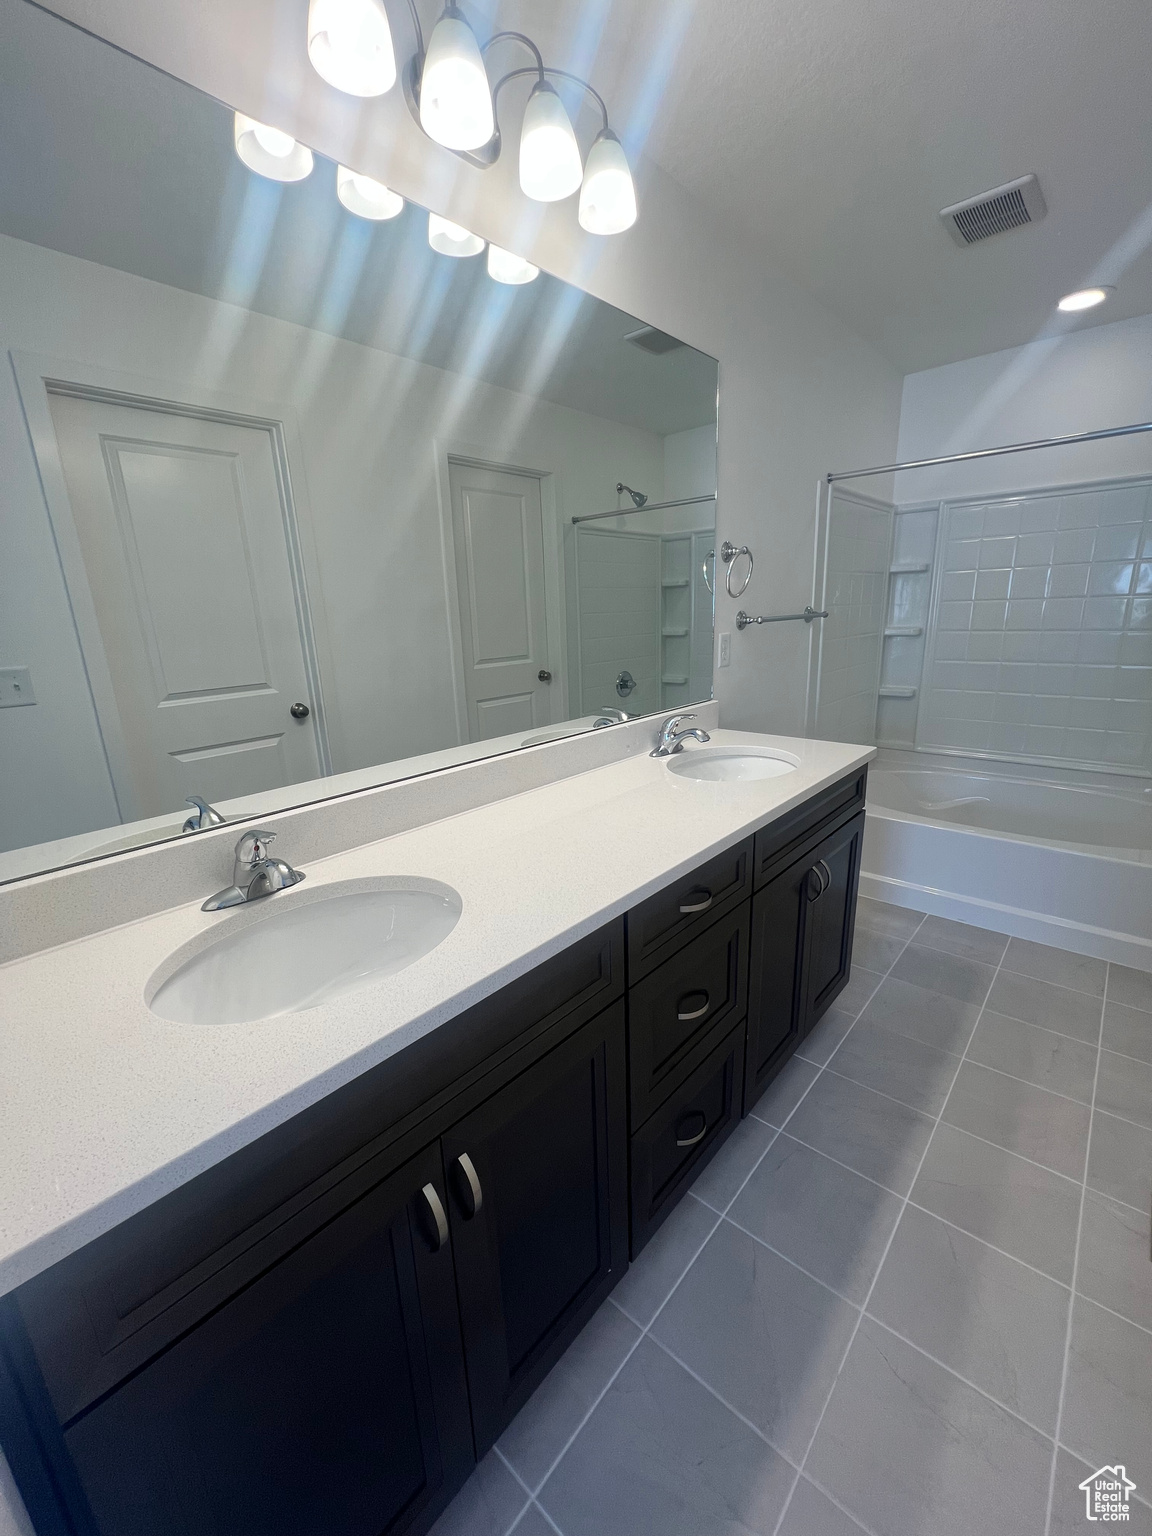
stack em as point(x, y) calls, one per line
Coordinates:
point(15, 687)
point(725, 648)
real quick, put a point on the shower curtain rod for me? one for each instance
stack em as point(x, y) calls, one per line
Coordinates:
point(652, 506)
point(991, 453)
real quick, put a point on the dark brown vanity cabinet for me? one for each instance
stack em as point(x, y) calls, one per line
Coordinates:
point(324, 1332)
point(539, 1215)
point(802, 925)
point(329, 1395)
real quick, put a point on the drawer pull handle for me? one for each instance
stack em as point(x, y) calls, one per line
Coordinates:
point(439, 1216)
point(686, 1015)
point(701, 905)
point(686, 1119)
point(473, 1194)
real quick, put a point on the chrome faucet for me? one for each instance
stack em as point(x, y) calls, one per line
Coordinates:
point(610, 716)
point(203, 815)
point(254, 874)
point(671, 740)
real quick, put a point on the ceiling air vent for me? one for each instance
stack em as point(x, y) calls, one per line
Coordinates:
point(649, 339)
point(1018, 202)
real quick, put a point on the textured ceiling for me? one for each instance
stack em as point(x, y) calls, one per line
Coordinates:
point(834, 131)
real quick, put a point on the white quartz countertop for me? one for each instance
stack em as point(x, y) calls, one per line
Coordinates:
point(104, 1107)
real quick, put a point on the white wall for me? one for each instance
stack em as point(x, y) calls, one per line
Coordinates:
point(1099, 377)
point(367, 472)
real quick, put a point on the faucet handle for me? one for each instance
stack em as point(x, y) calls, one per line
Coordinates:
point(252, 849)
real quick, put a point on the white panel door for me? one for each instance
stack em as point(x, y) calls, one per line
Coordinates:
point(181, 526)
point(497, 527)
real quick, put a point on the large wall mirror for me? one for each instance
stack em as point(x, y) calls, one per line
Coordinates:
point(292, 503)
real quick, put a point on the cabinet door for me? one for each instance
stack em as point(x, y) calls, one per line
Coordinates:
point(538, 1190)
point(329, 1396)
point(776, 984)
point(801, 955)
point(832, 918)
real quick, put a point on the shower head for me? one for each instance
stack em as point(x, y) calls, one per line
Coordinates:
point(638, 497)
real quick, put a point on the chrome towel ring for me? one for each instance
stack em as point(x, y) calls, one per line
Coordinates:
point(729, 554)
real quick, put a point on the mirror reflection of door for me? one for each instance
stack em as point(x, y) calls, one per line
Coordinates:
point(182, 529)
point(498, 533)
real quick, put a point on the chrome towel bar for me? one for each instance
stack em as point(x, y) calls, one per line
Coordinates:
point(744, 619)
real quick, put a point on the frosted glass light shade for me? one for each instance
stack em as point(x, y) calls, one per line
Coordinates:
point(350, 45)
point(455, 97)
point(550, 164)
point(366, 197)
point(452, 239)
point(270, 151)
point(507, 268)
point(608, 196)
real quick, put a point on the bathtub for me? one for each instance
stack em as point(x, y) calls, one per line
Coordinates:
point(1058, 856)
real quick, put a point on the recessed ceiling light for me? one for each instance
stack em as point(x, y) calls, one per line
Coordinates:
point(1083, 298)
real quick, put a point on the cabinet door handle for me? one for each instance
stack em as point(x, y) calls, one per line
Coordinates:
point(691, 1141)
point(474, 1195)
point(439, 1216)
point(827, 875)
point(701, 905)
point(686, 1015)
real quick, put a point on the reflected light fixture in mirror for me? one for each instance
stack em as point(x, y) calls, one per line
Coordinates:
point(350, 45)
point(1083, 298)
point(452, 239)
point(550, 164)
point(366, 197)
point(270, 151)
point(508, 268)
point(608, 194)
point(455, 98)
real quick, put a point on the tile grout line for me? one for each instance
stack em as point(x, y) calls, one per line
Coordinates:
point(861, 1307)
point(1075, 1267)
point(965, 1132)
point(884, 1255)
point(676, 1285)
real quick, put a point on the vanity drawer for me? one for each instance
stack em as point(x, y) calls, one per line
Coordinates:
point(677, 1012)
point(660, 925)
point(683, 1135)
point(781, 841)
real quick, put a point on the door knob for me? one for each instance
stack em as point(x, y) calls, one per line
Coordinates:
point(299, 711)
point(544, 676)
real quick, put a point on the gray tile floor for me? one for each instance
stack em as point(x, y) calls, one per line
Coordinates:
point(911, 1296)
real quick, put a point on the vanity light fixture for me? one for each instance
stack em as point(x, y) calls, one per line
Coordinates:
point(455, 98)
point(270, 151)
point(448, 91)
point(366, 197)
point(452, 239)
point(550, 164)
point(508, 268)
point(350, 45)
point(608, 194)
point(1083, 298)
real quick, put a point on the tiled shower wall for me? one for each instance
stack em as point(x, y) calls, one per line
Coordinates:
point(1040, 645)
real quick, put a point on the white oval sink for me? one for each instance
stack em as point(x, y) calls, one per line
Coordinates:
point(731, 765)
point(326, 943)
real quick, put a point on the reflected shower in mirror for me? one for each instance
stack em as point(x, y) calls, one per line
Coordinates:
point(295, 503)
